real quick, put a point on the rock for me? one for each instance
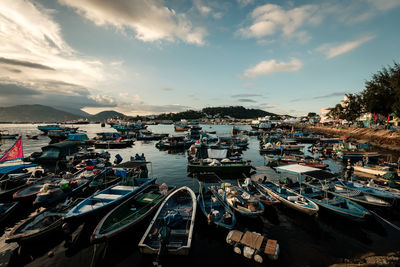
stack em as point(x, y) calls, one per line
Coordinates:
point(51, 253)
point(377, 260)
point(369, 254)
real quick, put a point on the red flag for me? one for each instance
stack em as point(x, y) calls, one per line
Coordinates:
point(14, 152)
point(374, 118)
point(388, 119)
point(118, 139)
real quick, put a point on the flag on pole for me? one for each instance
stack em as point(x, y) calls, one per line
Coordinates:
point(388, 119)
point(14, 152)
point(374, 118)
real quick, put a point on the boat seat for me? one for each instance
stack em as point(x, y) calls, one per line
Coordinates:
point(123, 187)
point(85, 208)
point(178, 232)
point(107, 197)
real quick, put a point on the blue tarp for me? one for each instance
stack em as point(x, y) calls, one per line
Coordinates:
point(14, 168)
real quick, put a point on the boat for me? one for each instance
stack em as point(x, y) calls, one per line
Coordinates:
point(254, 245)
point(290, 198)
point(258, 192)
point(335, 204)
point(103, 201)
point(223, 168)
point(32, 137)
point(214, 208)
point(181, 126)
point(174, 142)
point(171, 229)
point(131, 212)
point(113, 144)
point(53, 127)
point(41, 225)
point(58, 152)
point(375, 169)
point(80, 139)
point(69, 185)
point(288, 159)
point(355, 195)
point(358, 156)
point(352, 185)
point(13, 183)
point(28, 193)
point(239, 200)
point(4, 134)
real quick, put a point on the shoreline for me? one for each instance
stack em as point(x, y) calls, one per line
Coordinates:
point(381, 138)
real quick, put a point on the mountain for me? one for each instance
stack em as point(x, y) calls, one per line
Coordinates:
point(104, 115)
point(34, 113)
point(237, 112)
point(76, 111)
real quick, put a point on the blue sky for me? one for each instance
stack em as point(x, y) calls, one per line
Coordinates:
point(148, 57)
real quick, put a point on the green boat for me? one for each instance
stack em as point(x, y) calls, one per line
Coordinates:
point(130, 212)
point(222, 168)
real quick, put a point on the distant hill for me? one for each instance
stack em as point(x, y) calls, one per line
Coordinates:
point(104, 115)
point(237, 112)
point(75, 111)
point(34, 113)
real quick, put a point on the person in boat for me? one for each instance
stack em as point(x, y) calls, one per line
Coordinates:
point(142, 157)
point(137, 157)
point(349, 170)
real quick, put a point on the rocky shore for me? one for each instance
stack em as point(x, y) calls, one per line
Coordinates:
point(385, 139)
point(370, 259)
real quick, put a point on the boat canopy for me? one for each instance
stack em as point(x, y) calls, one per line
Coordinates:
point(217, 153)
point(15, 168)
point(309, 171)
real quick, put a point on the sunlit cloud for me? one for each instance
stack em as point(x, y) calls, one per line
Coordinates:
point(331, 50)
point(151, 20)
point(270, 66)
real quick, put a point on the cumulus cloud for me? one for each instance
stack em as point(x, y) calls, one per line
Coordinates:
point(244, 3)
point(271, 19)
point(331, 50)
point(151, 20)
point(270, 66)
point(247, 100)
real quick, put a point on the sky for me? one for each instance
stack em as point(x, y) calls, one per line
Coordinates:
point(153, 56)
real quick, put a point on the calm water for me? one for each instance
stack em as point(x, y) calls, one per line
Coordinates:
point(304, 240)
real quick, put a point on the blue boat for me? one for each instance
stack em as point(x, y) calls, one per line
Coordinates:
point(368, 190)
point(239, 200)
point(108, 198)
point(335, 204)
point(214, 208)
point(51, 127)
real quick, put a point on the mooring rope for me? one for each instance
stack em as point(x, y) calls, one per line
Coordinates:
point(386, 221)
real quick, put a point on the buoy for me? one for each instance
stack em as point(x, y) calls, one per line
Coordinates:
point(237, 250)
point(258, 258)
point(50, 254)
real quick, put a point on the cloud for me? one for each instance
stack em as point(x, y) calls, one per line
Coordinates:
point(10, 89)
point(151, 20)
point(337, 94)
point(166, 89)
point(203, 9)
point(244, 3)
point(331, 51)
point(24, 63)
point(245, 95)
point(248, 100)
point(270, 106)
point(270, 19)
point(270, 66)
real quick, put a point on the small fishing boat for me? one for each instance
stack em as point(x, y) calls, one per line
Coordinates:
point(222, 167)
point(4, 134)
point(355, 195)
point(28, 193)
point(239, 200)
point(290, 198)
point(258, 192)
point(14, 183)
point(69, 185)
point(335, 204)
point(112, 144)
point(171, 230)
point(32, 137)
point(108, 198)
point(367, 190)
point(214, 208)
point(374, 169)
point(130, 212)
point(41, 225)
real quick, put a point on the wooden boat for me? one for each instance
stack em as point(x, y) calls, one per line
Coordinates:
point(28, 193)
point(374, 169)
point(355, 195)
point(214, 208)
point(32, 137)
point(6, 210)
point(366, 190)
point(335, 204)
point(41, 225)
point(284, 160)
point(69, 185)
point(130, 212)
point(171, 230)
point(290, 198)
point(4, 134)
point(108, 198)
point(358, 156)
point(258, 192)
point(220, 167)
point(14, 183)
point(54, 153)
point(239, 200)
point(112, 144)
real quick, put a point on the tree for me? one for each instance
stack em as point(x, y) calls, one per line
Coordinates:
point(382, 93)
point(311, 114)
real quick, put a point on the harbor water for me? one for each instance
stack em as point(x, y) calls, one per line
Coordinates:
point(303, 240)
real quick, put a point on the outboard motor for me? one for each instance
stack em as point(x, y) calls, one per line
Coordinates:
point(118, 159)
